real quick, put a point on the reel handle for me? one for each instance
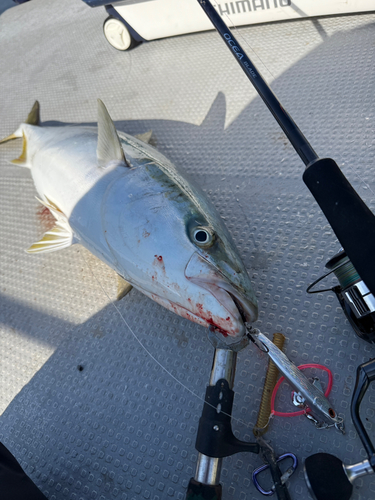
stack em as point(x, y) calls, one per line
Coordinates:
point(365, 375)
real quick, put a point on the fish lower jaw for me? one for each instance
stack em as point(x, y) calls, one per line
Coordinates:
point(238, 308)
point(249, 315)
point(226, 326)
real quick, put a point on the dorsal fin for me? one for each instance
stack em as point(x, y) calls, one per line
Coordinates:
point(33, 118)
point(109, 145)
point(145, 137)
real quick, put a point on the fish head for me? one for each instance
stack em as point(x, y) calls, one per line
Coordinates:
point(216, 267)
point(168, 241)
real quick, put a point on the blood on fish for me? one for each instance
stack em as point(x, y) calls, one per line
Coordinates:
point(224, 334)
point(208, 318)
point(159, 264)
point(46, 219)
point(198, 315)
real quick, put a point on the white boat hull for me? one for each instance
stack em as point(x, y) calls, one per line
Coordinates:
point(153, 19)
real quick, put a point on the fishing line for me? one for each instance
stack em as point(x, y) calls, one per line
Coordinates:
point(346, 274)
point(362, 180)
point(134, 334)
point(149, 353)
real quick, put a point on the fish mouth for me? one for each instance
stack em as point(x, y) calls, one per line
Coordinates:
point(237, 309)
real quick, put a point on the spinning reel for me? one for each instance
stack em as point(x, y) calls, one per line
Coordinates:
point(356, 300)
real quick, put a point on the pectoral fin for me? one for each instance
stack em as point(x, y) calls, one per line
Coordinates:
point(123, 288)
point(60, 236)
point(57, 238)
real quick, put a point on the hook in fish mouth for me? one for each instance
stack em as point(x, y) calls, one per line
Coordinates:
point(234, 302)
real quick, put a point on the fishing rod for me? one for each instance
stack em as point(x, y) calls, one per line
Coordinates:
point(354, 225)
point(350, 218)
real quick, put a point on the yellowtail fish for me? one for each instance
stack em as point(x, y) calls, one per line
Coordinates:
point(131, 207)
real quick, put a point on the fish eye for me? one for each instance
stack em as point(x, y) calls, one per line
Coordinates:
point(203, 236)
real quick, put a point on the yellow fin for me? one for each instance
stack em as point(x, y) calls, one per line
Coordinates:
point(53, 208)
point(123, 288)
point(9, 138)
point(22, 160)
point(33, 118)
point(60, 236)
point(145, 137)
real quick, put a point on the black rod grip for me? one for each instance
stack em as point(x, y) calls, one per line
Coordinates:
point(350, 218)
point(199, 491)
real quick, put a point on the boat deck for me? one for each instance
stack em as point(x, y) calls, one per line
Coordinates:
point(85, 404)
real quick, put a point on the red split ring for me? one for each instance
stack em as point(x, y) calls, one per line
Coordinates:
point(300, 412)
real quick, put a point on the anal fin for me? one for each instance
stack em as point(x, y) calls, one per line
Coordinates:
point(123, 288)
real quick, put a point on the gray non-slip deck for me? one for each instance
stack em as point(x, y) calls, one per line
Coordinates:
point(85, 404)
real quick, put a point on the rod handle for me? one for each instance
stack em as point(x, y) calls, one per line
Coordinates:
point(350, 218)
point(200, 491)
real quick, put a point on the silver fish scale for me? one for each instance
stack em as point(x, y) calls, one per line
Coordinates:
point(121, 427)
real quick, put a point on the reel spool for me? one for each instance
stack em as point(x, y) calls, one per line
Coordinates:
point(356, 300)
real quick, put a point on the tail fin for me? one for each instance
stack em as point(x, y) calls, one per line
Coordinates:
point(22, 160)
point(33, 118)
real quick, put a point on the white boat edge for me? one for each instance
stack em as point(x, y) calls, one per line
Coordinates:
point(153, 19)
